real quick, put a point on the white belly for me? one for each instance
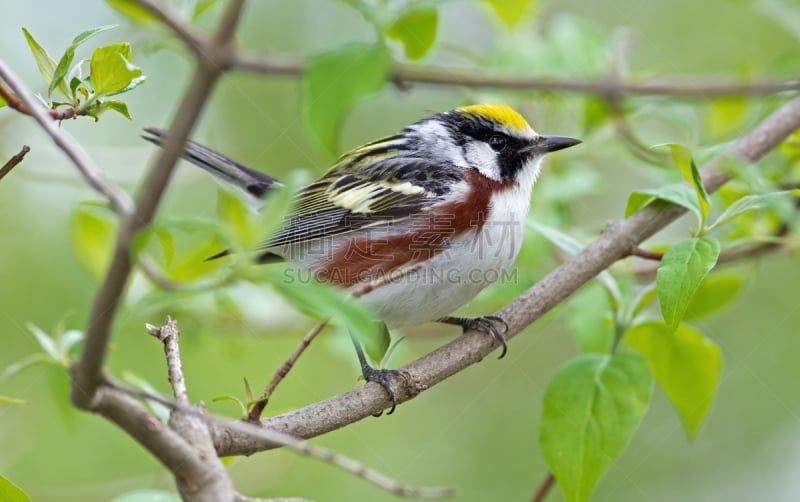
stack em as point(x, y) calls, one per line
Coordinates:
point(451, 279)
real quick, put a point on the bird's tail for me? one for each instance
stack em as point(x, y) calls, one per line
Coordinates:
point(251, 181)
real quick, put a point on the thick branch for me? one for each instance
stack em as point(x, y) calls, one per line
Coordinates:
point(132, 417)
point(615, 243)
point(300, 446)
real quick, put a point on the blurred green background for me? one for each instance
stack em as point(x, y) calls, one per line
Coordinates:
point(477, 431)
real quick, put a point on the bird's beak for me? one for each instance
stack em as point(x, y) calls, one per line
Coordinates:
point(547, 144)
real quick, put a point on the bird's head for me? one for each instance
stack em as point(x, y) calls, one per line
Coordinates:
point(495, 140)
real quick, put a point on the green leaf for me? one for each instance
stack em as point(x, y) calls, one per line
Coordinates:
point(683, 159)
point(93, 230)
point(378, 349)
point(248, 392)
point(235, 213)
point(572, 247)
point(592, 407)
point(643, 299)
point(595, 114)
point(416, 29)
point(242, 406)
point(112, 71)
point(681, 195)
point(9, 492)
point(685, 364)
point(66, 60)
point(2, 102)
point(70, 339)
point(590, 318)
point(335, 81)
point(186, 244)
point(511, 12)
point(716, 291)
point(159, 410)
point(133, 11)
point(46, 342)
point(753, 203)
point(110, 104)
point(682, 269)
point(147, 496)
point(319, 300)
point(46, 64)
point(725, 115)
point(25, 363)
point(201, 7)
point(16, 402)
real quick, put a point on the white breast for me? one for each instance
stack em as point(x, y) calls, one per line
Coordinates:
point(475, 260)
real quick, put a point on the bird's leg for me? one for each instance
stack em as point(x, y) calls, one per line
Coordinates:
point(492, 325)
point(384, 377)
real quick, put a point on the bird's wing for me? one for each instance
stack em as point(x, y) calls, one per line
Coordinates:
point(346, 200)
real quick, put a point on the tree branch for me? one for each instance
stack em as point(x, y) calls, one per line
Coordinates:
point(404, 74)
point(300, 446)
point(544, 488)
point(286, 367)
point(87, 370)
point(193, 38)
point(13, 161)
point(209, 480)
point(118, 199)
point(13, 102)
point(615, 243)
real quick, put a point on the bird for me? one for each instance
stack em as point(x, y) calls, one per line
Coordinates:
point(418, 222)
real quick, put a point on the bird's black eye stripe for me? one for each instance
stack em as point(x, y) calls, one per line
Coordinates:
point(497, 142)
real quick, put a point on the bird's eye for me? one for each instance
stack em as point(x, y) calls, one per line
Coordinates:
point(497, 142)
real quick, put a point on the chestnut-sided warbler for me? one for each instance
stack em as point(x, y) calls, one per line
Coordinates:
point(419, 222)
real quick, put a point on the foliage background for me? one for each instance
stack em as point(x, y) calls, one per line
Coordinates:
point(478, 430)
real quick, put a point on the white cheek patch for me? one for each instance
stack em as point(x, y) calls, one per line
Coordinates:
point(440, 144)
point(481, 156)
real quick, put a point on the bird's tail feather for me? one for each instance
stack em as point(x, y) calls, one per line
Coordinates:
point(251, 181)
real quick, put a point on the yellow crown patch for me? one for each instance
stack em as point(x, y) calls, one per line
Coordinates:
point(498, 113)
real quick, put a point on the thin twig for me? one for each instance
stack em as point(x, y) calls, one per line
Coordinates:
point(544, 488)
point(227, 25)
point(118, 199)
point(616, 77)
point(612, 245)
point(729, 256)
point(151, 272)
point(169, 334)
point(623, 129)
point(286, 367)
point(646, 254)
point(277, 438)
point(13, 102)
point(272, 65)
point(13, 161)
point(193, 38)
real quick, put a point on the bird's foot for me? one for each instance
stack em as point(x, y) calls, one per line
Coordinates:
point(494, 326)
point(386, 378)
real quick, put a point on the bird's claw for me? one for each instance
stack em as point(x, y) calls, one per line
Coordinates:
point(386, 378)
point(493, 325)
